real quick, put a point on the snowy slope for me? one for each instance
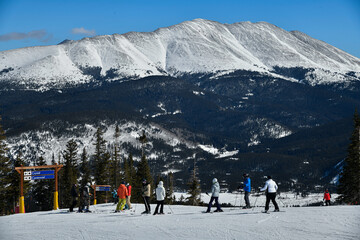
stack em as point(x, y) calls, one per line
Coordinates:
point(186, 222)
point(198, 46)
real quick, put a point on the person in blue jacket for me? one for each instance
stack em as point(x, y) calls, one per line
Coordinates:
point(247, 189)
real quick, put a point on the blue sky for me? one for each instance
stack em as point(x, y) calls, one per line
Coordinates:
point(35, 22)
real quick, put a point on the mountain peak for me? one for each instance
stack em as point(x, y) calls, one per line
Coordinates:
point(191, 47)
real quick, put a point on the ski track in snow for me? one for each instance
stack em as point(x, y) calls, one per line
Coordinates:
point(187, 222)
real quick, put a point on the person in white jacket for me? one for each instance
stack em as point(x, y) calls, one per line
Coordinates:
point(215, 191)
point(270, 188)
point(160, 197)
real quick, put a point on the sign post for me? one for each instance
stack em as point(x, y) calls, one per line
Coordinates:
point(37, 175)
point(100, 188)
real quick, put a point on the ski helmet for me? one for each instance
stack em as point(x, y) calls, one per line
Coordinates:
point(214, 180)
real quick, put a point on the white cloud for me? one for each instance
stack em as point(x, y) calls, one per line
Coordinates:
point(83, 31)
point(41, 35)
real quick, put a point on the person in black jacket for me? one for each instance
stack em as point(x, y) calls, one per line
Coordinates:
point(74, 196)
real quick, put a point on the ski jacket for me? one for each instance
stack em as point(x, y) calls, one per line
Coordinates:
point(160, 191)
point(129, 190)
point(215, 189)
point(247, 185)
point(146, 190)
point(122, 191)
point(327, 196)
point(74, 193)
point(270, 186)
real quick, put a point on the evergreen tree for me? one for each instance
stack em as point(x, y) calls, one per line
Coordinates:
point(84, 169)
point(13, 189)
point(5, 170)
point(349, 187)
point(42, 191)
point(69, 172)
point(115, 165)
point(194, 188)
point(99, 157)
point(170, 188)
point(143, 172)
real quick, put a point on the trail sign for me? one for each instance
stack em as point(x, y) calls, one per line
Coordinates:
point(27, 173)
point(42, 177)
point(42, 172)
point(102, 188)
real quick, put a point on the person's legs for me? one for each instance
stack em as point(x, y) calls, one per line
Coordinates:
point(122, 203)
point(267, 202)
point(218, 208)
point(247, 201)
point(157, 207)
point(273, 196)
point(118, 205)
point(210, 204)
point(128, 201)
point(161, 207)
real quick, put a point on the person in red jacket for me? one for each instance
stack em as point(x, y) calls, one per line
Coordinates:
point(122, 193)
point(128, 198)
point(327, 197)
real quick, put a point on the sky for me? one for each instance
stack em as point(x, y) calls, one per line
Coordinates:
point(25, 23)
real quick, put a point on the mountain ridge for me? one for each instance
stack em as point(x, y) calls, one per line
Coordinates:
point(190, 47)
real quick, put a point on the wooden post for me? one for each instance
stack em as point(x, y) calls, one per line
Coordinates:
point(56, 193)
point(21, 200)
point(94, 194)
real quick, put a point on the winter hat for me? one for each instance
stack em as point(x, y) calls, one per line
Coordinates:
point(161, 183)
point(123, 182)
point(246, 175)
point(214, 180)
point(144, 181)
point(269, 177)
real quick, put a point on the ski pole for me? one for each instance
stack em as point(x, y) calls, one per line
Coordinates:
point(170, 209)
point(240, 200)
point(255, 203)
point(235, 200)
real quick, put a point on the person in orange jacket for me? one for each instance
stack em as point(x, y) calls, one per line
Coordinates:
point(122, 193)
point(327, 197)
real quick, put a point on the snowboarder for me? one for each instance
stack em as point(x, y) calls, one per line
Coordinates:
point(146, 191)
point(270, 188)
point(122, 193)
point(74, 196)
point(160, 197)
point(247, 190)
point(84, 199)
point(128, 198)
point(215, 191)
point(327, 197)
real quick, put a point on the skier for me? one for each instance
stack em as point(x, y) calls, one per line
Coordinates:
point(247, 190)
point(84, 200)
point(160, 196)
point(146, 191)
point(270, 188)
point(122, 193)
point(115, 196)
point(327, 197)
point(215, 191)
point(128, 198)
point(74, 196)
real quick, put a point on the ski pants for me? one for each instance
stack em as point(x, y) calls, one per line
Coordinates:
point(128, 201)
point(147, 204)
point(327, 202)
point(73, 204)
point(271, 196)
point(121, 204)
point(216, 203)
point(246, 198)
point(161, 205)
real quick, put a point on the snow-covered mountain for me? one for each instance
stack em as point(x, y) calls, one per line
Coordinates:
point(191, 47)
